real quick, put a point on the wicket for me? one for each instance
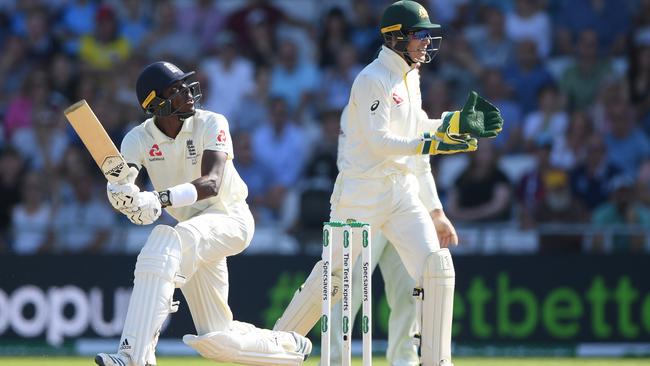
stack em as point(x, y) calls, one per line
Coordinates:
point(346, 234)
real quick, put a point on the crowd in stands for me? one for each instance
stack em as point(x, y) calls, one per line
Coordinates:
point(571, 78)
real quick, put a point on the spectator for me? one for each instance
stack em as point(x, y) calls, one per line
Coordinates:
point(559, 206)
point(76, 225)
point(569, 148)
point(638, 81)
point(44, 143)
point(622, 208)
point(35, 93)
point(336, 32)
point(294, 80)
point(41, 45)
point(590, 177)
point(490, 44)
point(164, 40)
point(63, 77)
point(627, 145)
point(31, 219)
point(202, 19)
point(610, 19)
point(643, 183)
point(549, 120)
point(495, 89)
point(229, 76)
point(257, 176)
point(280, 144)
point(77, 19)
point(253, 109)
point(531, 189)
point(15, 69)
point(135, 20)
point(106, 48)
point(364, 30)
point(529, 22)
point(527, 76)
point(321, 171)
point(12, 168)
point(482, 193)
point(338, 78)
point(581, 81)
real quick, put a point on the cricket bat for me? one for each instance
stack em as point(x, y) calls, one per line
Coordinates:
point(97, 142)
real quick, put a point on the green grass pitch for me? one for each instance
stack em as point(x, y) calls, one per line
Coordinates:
point(460, 361)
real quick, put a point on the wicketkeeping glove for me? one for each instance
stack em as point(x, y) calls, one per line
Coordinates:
point(443, 141)
point(478, 118)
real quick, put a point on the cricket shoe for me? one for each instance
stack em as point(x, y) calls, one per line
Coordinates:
point(112, 359)
point(303, 345)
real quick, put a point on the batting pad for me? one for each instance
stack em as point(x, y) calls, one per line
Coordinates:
point(304, 310)
point(244, 343)
point(151, 299)
point(438, 280)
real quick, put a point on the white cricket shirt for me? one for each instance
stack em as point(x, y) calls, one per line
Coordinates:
point(170, 162)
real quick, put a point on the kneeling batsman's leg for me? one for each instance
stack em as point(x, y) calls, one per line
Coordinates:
point(244, 343)
point(151, 300)
point(304, 310)
point(435, 302)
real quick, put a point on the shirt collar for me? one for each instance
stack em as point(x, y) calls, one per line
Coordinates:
point(159, 136)
point(393, 61)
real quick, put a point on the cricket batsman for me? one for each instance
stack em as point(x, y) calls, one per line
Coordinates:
point(188, 154)
point(384, 127)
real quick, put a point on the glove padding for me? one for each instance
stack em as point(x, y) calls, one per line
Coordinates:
point(121, 194)
point(478, 118)
point(146, 210)
point(443, 142)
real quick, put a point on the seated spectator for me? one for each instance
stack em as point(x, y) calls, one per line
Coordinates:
point(590, 177)
point(610, 20)
point(559, 206)
point(229, 76)
point(77, 224)
point(165, 41)
point(15, 68)
point(253, 109)
point(582, 80)
point(491, 45)
point(41, 43)
point(530, 22)
point(482, 193)
point(201, 18)
point(35, 92)
point(320, 173)
point(135, 22)
point(622, 208)
point(338, 78)
point(12, 169)
point(294, 79)
point(643, 182)
point(496, 91)
point(527, 75)
point(569, 148)
point(257, 176)
point(336, 32)
point(549, 120)
point(530, 190)
point(105, 48)
point(627, 145)
point(31, 219)
point(43, 145)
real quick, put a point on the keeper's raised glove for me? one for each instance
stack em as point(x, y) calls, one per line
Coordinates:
point(478, 118)
point(444, 142)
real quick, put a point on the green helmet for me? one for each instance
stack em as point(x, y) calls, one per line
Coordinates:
point(404, 20)
point(404, 15)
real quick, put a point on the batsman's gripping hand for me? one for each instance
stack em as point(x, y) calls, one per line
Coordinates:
point(478, 118)
point(443, 142)
point(121, 194)
point(146, 210)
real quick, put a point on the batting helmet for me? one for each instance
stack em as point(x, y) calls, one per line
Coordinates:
point(152, 82)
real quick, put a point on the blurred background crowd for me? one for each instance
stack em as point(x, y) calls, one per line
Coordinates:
point(570, 172)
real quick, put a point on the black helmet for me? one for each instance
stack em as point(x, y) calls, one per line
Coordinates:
point(404, 17)
point(152, 82)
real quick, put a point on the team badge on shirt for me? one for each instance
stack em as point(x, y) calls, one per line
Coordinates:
point(191, 151)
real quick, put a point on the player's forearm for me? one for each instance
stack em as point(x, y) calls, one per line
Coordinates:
point(207, 186)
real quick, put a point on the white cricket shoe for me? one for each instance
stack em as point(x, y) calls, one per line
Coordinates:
point(112, 359)
point(303, 345)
